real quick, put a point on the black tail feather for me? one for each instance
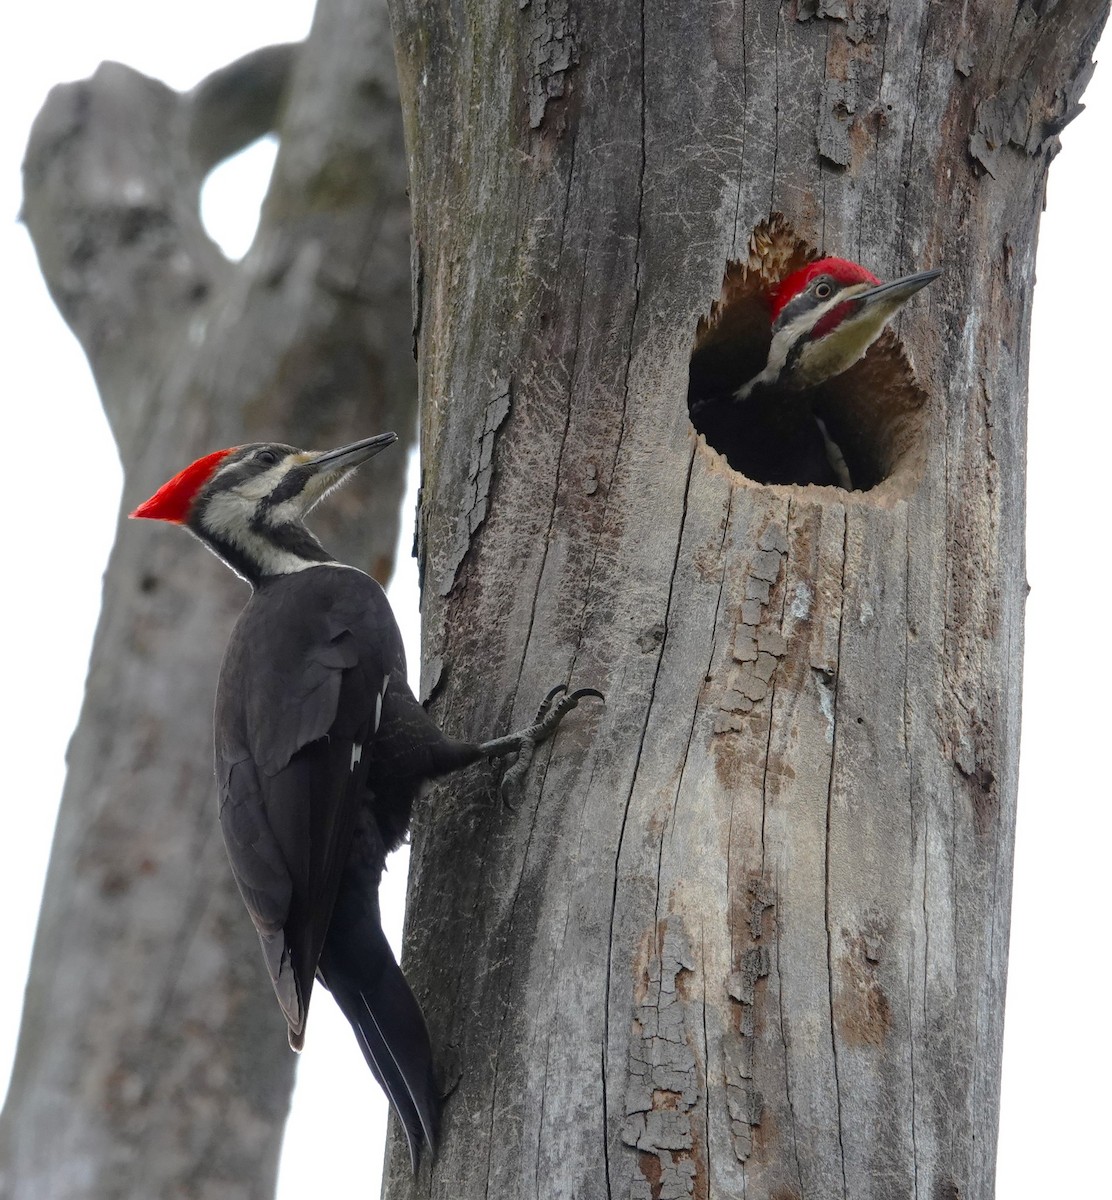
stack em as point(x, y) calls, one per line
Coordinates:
point(373, 994)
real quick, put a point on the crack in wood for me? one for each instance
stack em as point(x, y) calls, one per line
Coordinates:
point(832, 677)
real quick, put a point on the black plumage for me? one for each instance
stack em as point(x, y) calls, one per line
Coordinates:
point(321, 751)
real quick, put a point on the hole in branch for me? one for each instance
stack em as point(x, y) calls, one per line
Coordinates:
point(233, 193)
point(853, 430)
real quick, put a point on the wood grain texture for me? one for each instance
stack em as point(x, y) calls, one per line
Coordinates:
point(152, 1058)
point(746, 934)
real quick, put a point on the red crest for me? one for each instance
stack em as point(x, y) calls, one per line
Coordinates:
point(174, 498)
point(841, 270)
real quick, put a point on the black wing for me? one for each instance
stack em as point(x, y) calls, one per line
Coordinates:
point(299, 700)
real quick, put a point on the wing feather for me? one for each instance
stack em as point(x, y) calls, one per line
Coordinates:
point(302, 678)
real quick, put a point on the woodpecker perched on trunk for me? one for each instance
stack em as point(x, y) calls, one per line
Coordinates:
point(824, 318)
point(321, 749)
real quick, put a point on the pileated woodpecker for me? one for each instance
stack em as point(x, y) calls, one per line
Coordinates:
point(825, 316)
point(321, 749)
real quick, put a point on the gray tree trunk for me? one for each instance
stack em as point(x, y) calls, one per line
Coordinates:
point(152, 1059)
point(746, 933)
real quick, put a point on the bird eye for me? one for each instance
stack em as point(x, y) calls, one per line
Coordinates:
point(822, 290)
point(266, 456)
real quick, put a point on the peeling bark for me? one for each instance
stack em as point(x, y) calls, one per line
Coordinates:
point(747, 934)
point(152, 1057)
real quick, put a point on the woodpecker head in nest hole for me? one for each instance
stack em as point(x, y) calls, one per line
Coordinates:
point(825, 316)
point(794, 420)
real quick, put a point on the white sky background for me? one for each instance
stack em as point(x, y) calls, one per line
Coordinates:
point(63, 488)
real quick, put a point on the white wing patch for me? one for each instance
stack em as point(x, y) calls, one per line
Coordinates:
point(356, 754)
point(378, 700)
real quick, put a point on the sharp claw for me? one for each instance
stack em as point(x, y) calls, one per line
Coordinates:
point(549, 716)
point(553, 716)
point(548, 722)
point(546, 703)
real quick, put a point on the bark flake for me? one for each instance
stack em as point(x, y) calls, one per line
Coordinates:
point(837, 107)
point(663, 1086)
point(757, 648)
point(479, 475)
point(553, 50)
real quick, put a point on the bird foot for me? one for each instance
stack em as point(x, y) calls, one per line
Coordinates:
point(525, 742)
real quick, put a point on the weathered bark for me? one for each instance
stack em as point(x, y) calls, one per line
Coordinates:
point(152, 1057)
point(747, 934)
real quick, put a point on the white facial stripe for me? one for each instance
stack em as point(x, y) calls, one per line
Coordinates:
point(228, 515)
point(260, 485)
point(844, 345)
point(286, 513)
point(791, 333)
point(291, 511)
point(815, 312)
point(784, 339)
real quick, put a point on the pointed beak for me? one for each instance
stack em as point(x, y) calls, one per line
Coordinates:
point(892, 295)
point(351, 456)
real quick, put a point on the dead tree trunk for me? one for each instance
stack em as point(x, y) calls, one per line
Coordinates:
point(747, 933)
point(152, 1058)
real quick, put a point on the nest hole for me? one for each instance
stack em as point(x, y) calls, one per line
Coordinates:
point(873, 412)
